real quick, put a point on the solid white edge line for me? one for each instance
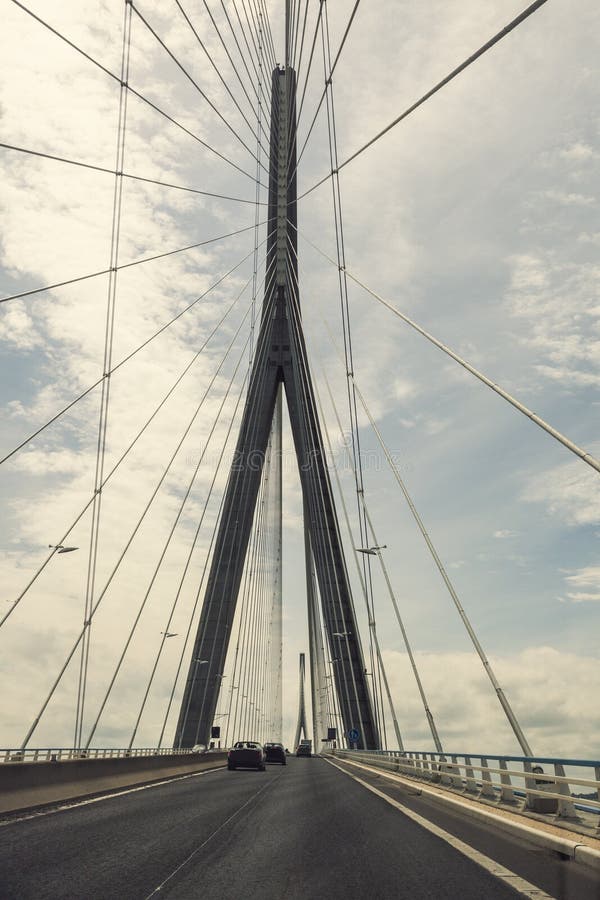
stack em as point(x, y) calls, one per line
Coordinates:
point(525, 888)
point(583, 854)
point(78, 803)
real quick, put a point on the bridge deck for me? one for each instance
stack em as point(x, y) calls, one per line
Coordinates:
point(304, 831)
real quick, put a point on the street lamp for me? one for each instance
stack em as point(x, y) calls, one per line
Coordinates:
point(341, 634)
point(169, 634)
point(371, 551)
point(60, 548)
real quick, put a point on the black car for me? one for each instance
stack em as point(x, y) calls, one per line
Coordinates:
point(275, 753)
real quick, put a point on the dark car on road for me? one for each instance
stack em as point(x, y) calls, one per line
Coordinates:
point(246, 755)
point(275, 753)
point(303, 750)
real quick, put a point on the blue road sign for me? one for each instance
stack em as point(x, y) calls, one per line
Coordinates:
point(353, 735)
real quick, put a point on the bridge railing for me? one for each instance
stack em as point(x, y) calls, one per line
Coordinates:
point(62, 754)
point(517, 781)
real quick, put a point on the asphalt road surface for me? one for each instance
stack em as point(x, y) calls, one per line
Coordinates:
point(303, 831)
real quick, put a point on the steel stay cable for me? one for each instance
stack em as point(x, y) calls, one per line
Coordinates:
point(123, 455)
point(243, 33)
point(460, 609)
point(253, 27)
point(135, 262)
point(256, 213)
point(191, 79)
point(253, 567)
point(274, 637)
point(190, 623)
point(343, 626)
point(309, 402)
point(241, 637)
point(256, 579)
point(262, 350)
point(264, 53)
point(243, 623)
point(267, 20)
point(182, 580)
point(255, 134)
point(450, 587)
point(363, 583)
point(193, 613)
point(553, 432)
point(243, 631)
point(340, 624)
point(290, 21)
point(310, 60)
point(261, 355)
point(258, 92)
point(195, 606)
point(262, 659)
point(297, 32)
point(118, 563)
point(328, 82)
point(111, 303)
point(190, 133)
point(129, 356)
point(297, 66)
point(346, 328)
point(428, 713)
point(252, 601)
point(106, 171)
point(475, 56)
point(131, 90)
point(217, 526)
point(173, 527)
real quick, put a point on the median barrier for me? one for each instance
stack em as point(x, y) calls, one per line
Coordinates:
point(26, 785)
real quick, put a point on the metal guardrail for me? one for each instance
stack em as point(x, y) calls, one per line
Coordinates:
point(52, 754)
point(516, 781)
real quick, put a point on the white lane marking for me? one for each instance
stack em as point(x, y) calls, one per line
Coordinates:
point(133, 790)
point(210, 837)
point(525, 888)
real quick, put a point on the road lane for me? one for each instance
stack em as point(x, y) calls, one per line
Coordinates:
point(301, 831)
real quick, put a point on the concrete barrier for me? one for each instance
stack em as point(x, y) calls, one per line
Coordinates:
point(27, 785)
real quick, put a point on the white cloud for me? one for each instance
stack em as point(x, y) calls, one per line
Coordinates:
point(504, 533)
point(469, 715)
point(570, 492)
point(578, 151)
point(18, 328)
point(568, 199)
point(584, 585)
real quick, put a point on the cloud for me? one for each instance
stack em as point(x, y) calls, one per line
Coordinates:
point(569, 725)
point(504, 533)
point(570, 492)
point(578, 151)
point(584, 584)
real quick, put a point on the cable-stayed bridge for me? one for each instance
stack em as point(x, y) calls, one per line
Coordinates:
point(175, 389)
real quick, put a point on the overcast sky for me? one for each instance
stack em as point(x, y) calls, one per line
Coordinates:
point(477, 216)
